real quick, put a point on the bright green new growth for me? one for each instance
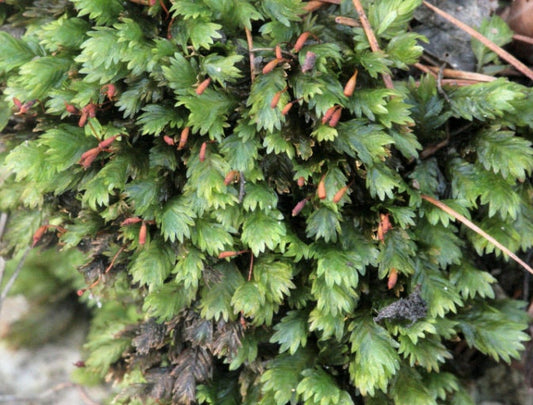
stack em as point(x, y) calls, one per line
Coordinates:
point(231, 296)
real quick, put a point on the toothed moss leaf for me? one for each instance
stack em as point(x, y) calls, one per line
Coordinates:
point(381, 181)
point(65, 145)
point(438, 292)
point(42, 74)
point(375, 357)
point(403, 392)
point(217, 295)
point(291, 332)
point(163, 302)
point(471, 281)
point(504, 153)
point(391, 17)
point(103, 11)
point(398, 251)
point(499, 229)
point(319, 387)
point(156, 117)
point(210, 236)
point(189, 268)
point(261, 94)
point(15, 52)
point(283, 11)
point(153, 263)
point(208, 112)
point(263, 230)
point(275, 276)
point(367, 142)
point(99, 57)
point(180, 74)
point(496, 30)
point(222, 69)
point(441, 243)
point(324, 223)
point(64, 33)
point(282, 376)
point(144, 193)
point(241, 155)
point(428, 353)
point(176, 219)
point(249, 299)
point(490, 100)
point(190, 9)
point(202, 34)
point(483, 328)
point(111, 179)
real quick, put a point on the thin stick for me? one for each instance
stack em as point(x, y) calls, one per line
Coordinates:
point(251, 55)
point(371, 39)
point(459, 74)
point(432, 149)
point(316, 4)
point(313, 5)
point(424, 69)
point(250, 271)
point(477, 230)
point(488, 43)
point(459, 82)
point(14, 276)
point(113, 260)
point(527, 278)
point(523, 38)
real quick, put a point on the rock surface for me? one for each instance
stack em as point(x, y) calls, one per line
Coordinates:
point(41, 375)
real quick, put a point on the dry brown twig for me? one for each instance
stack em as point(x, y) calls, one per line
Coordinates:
point(432, 149)
point(458, 82)
point(114, 259)
point(477, 230)
point(456, 74)
point(425, 69)
point(313, 5)
point(371, 39)
point(251, 56)
point(316, 4)
point(523, 38)
point(251, 269)
point(488, 43)
point(455, 77)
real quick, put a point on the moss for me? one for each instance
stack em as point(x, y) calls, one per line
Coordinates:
point(247, 215)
